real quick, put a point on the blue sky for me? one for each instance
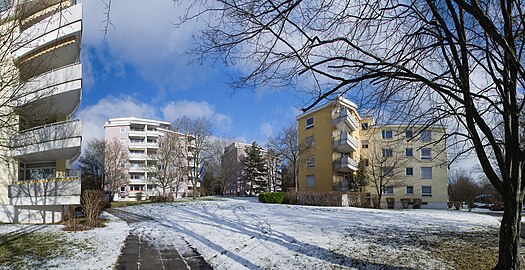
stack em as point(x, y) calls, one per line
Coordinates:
point(140, 68)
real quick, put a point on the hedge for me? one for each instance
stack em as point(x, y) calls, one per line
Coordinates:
point(271, 197)
point(328, 198)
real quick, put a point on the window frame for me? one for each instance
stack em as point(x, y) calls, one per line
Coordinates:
point(423, 174)
point(411, 132)
point(312, 141)
point(406, 190)
point(425, 157)
point(312, 177)
point(406, 171)
point(309, 125)
point(384, 134)
point(364, 126)
point(310, 162)
point(425, 137)
point(411, 152)
point(385, 188)
point(388, 150)
point(364, 144)
point(426, 194)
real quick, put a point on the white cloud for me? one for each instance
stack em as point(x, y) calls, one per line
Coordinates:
point(266, 129)
point(223, 122)
point(93, 117)
point(191, 109)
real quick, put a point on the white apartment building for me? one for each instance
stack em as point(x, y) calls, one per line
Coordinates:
point(140, 137)
point(41, 90)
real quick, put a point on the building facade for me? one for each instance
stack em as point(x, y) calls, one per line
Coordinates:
point(40, 91)
point(140, 139)
point(233, 161)
point(398, 160)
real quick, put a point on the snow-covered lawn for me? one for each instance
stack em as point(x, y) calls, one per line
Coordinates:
point(49, 247)
point(243, 233)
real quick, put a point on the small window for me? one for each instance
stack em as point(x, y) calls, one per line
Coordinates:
point(426, 191)
point(364, 126)
point(426, 172)
point(426, 153)
point(388, 190)
point(426, 136)
point(309, 181)
point(310, 141)
point(409, 134)
point(122, 188)
point(364, 144)
point(409, 152)
point(409, 171)
point(410, 190)
point(366, 162)
point(310, 162)
point(388, 171)
point(123, 130)
point(386, 134)
point(309, 122)
point(387, 152)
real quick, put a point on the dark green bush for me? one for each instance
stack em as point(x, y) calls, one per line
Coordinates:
point(271, 197)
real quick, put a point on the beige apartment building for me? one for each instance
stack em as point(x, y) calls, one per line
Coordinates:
point(40, 92)
point(402, 161)
point(140, 138)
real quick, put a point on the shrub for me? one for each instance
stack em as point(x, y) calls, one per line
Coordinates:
point(271, 197)
point(92, 204)
point(390, 202)
point(405, 202)
point(416, 203)
point(359, 199)
point(457, 205)
point(162, 198)
point(139, 196)
point(291, 197)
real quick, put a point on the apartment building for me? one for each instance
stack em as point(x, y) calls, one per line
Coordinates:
point(406, 161)
point(233, 160)
point(41, 89)
point(140, 138)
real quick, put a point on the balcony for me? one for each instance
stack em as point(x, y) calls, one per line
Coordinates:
point(56, 191)
point(133, 156)
point(344, 143)
point(137, 168)
point(56, 141)
point(50, 44)
point(345, 165)
point(57, 92)
point(345, 121)
point(31, 12)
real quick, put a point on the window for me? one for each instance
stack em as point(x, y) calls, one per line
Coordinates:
point(122, 130)
point(309, 122)
point(386, 134)
point(409, 134)
point(310, 162)
point(310, 141)
point(364, 144)
point(426, 136)
point(409, 171)
point(426, 172)
point(364, 126)
point(387, 152)
point(426, 191)
point(388, 171)
point(309, 181)
point(409, 152)
point(426, 153)
point(388, 190)
point(122, 188)
point(410, 190)
point(366, 162)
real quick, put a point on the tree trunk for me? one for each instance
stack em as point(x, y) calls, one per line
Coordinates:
point(509, 235)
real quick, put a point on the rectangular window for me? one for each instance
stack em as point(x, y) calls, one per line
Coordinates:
point(426, 172)
point(366, 162)
point(364, 126)
point(310, 141)
point(364, 144)
point(386, 134)
point(426, 153)
point(410, 190)
point(310, 162)
point(388, 171)
point(409, 171)
point(387, 152)
point(426, 191)
point(409, 152)
point(409, 134)
point(426, 136)
point(388, 190)
point(309, 122)
point(122, 188)
point(309, 181)
point(122, 130)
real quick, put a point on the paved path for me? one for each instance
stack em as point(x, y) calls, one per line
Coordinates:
point(138, 253)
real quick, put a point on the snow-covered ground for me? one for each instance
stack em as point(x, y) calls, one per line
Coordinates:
point(98, 248)
point(243, 233)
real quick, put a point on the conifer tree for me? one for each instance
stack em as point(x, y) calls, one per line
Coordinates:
point(255, 167)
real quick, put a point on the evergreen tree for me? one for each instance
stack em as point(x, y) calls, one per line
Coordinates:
point(255, 167)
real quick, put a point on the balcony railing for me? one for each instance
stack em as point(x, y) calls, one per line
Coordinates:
point(345, 118)
point(345, 164)
point(345, 143)
point(55, 191)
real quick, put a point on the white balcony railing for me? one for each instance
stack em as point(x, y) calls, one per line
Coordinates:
point(344, 142)
point(345, 164)
point(55, 191)
point(345, 119)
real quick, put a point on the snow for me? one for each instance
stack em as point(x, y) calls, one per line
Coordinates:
point(98, 248)
point(243, 233)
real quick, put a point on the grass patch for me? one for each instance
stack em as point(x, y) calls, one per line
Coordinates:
point(32, 250)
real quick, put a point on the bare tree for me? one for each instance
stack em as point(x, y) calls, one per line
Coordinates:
point(92, 165)
point(463, 188)
point(273, 166)
point(115, 160)
point(221, 169)
point(434, 61)
point(197, 134)
point(286, 145)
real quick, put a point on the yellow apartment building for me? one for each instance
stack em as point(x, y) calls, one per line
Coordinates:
point(401, 161)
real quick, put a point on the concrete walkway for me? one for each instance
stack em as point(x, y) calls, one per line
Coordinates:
point(138, 253)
